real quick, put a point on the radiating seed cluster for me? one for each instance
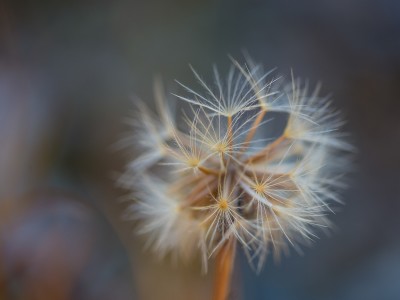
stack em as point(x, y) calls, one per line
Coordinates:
point(214, 174)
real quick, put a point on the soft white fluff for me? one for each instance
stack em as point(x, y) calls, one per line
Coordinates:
point(224, 180)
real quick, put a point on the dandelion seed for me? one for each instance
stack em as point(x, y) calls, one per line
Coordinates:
point(219, 186)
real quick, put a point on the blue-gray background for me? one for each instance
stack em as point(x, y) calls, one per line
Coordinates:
point(68, 70)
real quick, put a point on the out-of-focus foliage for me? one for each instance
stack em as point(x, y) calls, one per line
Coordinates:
point(68, 70)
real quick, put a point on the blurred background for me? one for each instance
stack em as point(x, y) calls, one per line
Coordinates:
point(68, 72)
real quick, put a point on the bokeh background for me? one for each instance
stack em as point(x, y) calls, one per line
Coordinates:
point(68, 74)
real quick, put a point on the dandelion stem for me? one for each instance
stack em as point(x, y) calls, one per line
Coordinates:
point(201, 190)
point(225, 261)
point(230, 130)
point(267, 150)
point(230, 140)
point(253, 129)
point(208, 171)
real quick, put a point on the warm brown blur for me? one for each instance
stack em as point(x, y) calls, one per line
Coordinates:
point(49, 243)
point(45, 247)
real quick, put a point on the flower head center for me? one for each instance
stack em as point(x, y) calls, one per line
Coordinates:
point(221, 147)
point(193, 162)
point(259, 188)
point(223, 204)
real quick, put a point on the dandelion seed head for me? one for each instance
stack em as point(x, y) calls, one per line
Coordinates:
point(219, 178)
